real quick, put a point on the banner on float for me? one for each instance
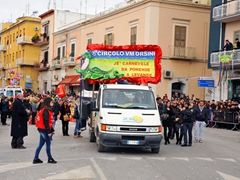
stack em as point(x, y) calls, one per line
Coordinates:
point(108, 64)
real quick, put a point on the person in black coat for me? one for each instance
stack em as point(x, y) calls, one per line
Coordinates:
point(168, 123)
point(56, 111)
point(187, 121)
point(228, 46)
point(27, 105)
point(5, 108)
point(19, 122)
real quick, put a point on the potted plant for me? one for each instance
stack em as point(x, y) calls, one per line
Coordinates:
point(35, 38)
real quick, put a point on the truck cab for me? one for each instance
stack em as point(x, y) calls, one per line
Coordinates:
point(125, 116)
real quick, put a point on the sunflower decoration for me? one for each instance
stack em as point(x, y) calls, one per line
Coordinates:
point(225, 64)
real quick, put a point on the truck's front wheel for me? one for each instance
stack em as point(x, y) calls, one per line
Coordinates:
point(100, 147)
point(155, 150)
point(92, 137)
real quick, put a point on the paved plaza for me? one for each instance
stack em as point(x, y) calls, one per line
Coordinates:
point(216, 158)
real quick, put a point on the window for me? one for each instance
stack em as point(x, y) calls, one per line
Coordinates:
point(46, 29)
point(16, 55)
point(236, 35)
point(133, 35)
point(108, 39)
point(46, 57)
point(119, 99)
point(89, 41)
point(63, 51)
point(72, 50)
point(13, 57)
point(58, 52)
point(10, 39)
point(13, 37)
point(180, 36)
point(23, 31)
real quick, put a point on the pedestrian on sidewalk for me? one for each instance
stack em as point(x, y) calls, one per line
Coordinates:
point(34, 109)
point(65, 110)
point(56, 110)
point(78, 126)
point(201, 119)
point(19, 122)
point(4, 110)
point(45, 129)
point(187, 122)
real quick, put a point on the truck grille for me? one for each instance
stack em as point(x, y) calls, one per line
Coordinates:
point(132, 129)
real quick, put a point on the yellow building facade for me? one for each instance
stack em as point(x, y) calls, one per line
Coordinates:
point(18, 54)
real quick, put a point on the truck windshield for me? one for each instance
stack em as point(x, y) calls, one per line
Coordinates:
point(128, 99)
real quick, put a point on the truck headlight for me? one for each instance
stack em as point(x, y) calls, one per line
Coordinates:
point(153, 129)
point(111, 128)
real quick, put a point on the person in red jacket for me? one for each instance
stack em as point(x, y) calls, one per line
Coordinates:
point(45, 129)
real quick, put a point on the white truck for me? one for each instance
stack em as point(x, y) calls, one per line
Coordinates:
point(125, 116)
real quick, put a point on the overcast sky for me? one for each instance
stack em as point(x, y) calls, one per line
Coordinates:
point(12, 9)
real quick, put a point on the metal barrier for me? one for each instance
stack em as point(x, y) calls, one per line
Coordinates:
point(226, 118)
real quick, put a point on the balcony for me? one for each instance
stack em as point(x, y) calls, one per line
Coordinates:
point(215, 62)
point(24, 40)
point(43, 66)
point(26, 61)
point(44, 40)
point(69, 61)
point(2, 66)
point(177, 52)
point(56, 64)
point(228, 12)
point(3, 48)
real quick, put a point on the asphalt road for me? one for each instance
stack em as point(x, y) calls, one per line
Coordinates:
point(218, 157)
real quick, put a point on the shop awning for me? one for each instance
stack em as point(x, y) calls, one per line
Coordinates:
point(75, 81)
point(70, 80)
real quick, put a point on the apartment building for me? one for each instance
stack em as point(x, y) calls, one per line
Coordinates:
point(225, 25)
point(18, 53)
point(51, 21)
point(181, 28)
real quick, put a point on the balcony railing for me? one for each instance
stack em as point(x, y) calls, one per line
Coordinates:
point(182, 52)
point(42, 41)
point(214, 58)
point(56, 64)
point(41, 66)
point(24, 40)
point(3, 48)
point(228, 12)
point(69, 61)
point(26, 61)
point(1, 66)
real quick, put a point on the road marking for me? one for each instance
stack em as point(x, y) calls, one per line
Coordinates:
point(228, 177)
point(13, 166)
point(184, 159)
point(205, 159)
point(109, 158)
point(227, 159)
point(98, 169)
point(80, 173)
point(133, 158)
point(158, 158)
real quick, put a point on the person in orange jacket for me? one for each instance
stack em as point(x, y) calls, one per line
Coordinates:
point(45, 129)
